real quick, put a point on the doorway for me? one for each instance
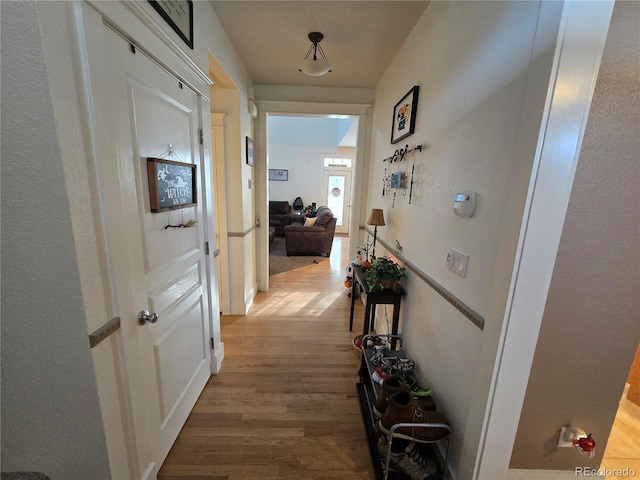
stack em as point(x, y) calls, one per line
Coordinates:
point(336, 185)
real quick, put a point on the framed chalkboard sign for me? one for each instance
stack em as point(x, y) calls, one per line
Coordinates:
point(172, 185)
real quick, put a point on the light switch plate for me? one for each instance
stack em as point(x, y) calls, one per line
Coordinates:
point(457, 262)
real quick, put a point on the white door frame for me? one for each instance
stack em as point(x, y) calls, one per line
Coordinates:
point(266, 108)
point(581, 40)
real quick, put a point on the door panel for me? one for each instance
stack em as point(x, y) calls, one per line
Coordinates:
point(168, 362)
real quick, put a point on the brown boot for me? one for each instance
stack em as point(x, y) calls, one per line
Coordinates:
point(393, 384)
point(403, 408)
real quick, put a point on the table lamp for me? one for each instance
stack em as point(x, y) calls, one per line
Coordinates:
point(376, 218)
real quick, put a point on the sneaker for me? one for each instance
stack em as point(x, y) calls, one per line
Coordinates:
point(404, 408)
point(398, 365)
point(410, 461)
point(378, 354)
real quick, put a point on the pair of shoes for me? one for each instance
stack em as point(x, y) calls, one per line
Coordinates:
point(404, 408)
point(397, 364)
point(393, 384)
point(409, 461)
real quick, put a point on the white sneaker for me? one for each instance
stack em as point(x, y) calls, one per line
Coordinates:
point(410, 462)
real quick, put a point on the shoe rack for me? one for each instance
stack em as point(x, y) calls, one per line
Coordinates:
point(368, 391)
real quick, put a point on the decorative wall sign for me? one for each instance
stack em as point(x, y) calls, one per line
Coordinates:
point(278, 174)
point(249, 143)
point(179, 15)
point(172, 185)
point(404, 116)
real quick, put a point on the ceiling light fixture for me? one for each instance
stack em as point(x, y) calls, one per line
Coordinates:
point(312, 64)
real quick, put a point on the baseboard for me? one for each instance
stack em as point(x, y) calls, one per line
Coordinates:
point(517, 474)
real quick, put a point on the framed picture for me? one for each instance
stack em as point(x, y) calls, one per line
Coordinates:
point(249, 151)
point(278, 174)
point(179, 15)
point(404, 116)
point(172, 185)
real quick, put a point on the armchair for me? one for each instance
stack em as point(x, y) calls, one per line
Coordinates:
point(312, 240)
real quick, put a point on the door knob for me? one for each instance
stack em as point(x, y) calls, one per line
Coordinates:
point(144, 316)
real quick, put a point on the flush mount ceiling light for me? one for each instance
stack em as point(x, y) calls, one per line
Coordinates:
point(315, 65)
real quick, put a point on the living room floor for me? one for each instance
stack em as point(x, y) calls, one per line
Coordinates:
point(284, 405)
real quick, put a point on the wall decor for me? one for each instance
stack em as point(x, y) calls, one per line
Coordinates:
point(278, 174)
point(179, 15)
point(172, 185)
point(404, 116)
point(249, 144)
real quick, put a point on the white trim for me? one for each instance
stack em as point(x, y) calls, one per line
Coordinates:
point(581, 40)
point(217, 358)
point(541, 475)
point(274, 107)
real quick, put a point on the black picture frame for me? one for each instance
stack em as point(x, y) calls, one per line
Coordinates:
point(249, 145)
point(279, 174)
point(179, 15)
point(404, 115)
point(172, 185)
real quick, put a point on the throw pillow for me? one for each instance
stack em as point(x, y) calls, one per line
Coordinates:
point(310, 221)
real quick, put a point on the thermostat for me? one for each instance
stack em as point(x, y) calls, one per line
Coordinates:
point(464, 204)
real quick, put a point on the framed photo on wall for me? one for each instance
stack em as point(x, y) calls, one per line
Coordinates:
point(249, 145)
point(404, 116)
point(179, 15)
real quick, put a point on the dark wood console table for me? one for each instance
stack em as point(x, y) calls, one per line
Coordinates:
point(386, 297)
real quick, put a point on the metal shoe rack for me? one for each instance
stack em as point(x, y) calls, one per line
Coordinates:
point(368, 391)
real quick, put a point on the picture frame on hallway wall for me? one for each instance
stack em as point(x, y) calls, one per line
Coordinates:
point(403, 123)
point(172, 185)
point(249, 144)
point(179, 15)
point(278, 174)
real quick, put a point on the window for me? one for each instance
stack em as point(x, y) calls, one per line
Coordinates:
point(343, 162)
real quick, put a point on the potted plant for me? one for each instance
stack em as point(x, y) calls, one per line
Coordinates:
point(383, 273)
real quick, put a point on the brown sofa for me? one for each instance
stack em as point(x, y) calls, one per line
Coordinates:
point(279, 215)
point(316, 240)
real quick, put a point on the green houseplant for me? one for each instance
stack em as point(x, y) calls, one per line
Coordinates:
point(383, 273)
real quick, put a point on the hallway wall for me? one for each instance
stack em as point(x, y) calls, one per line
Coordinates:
point(483, 70)
point(591, 327)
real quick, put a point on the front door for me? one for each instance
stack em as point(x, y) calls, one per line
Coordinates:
point(337, 192)
point(158, 258)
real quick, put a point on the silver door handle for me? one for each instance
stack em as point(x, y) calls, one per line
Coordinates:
point(144, 316)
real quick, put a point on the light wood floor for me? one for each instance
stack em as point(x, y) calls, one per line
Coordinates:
point(284, 405)
point(623, 446)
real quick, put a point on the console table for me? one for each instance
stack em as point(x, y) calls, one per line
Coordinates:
point(385, 297)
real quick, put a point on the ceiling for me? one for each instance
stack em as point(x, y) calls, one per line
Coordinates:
point(360, 37)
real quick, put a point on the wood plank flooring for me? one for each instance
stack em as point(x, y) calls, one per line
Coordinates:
point(284, 405)
point(623, 446)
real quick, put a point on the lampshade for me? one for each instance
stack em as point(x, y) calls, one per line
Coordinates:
point(313, 64)
point(376, 217)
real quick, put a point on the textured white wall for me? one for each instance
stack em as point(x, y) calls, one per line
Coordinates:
point(483, 71)
point(591, 327)
point(51, 418)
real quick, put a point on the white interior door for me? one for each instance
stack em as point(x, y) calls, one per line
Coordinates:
point(156, 267)
point(337, 192)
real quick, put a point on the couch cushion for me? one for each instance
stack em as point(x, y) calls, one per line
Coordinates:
point(324, 215)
